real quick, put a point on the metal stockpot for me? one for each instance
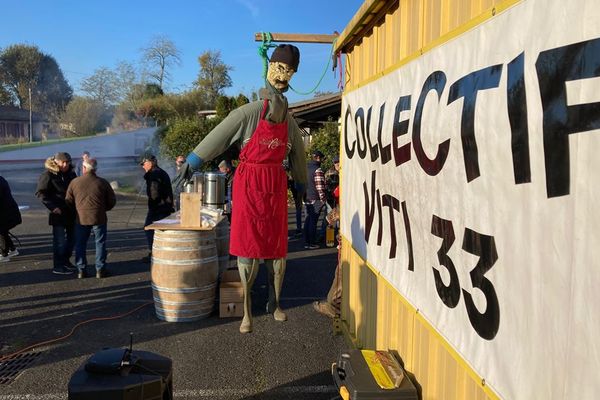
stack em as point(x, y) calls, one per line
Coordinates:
point(214, 190)
point(198, 181)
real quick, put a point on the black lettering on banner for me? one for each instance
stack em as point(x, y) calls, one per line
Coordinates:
point(517, 116)
point(373, 149)
point(411, 258)
point(401, 153)
point(436, 81)
point(386, 151)
point(467, 87)
point(450, 294)
point(370, 209)
point(379, 220)
point(362, 146)
point(486, 324)
point(394, 204)
point(554, 68)
point(349, 150)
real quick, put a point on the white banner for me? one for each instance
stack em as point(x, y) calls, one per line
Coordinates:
point(470, 181)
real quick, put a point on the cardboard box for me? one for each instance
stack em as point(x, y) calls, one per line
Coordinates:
point(231, 274)
point(190, 210)
point(231, 295)
point(231, 310)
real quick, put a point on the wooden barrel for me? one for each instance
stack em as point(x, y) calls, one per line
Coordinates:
point(222, 239)
point(184, 274)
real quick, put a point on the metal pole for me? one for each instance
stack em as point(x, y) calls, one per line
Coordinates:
point(30, 126)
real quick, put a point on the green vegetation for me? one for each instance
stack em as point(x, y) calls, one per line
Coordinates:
point(122, 98)
point(24, 69)
point(326, 140)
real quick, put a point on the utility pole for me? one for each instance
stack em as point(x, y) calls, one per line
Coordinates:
point(30, 119)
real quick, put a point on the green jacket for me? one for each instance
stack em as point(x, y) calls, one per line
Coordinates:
point(240, 124)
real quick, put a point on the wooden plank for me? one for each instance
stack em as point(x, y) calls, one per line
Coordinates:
point(176, 226)
point(297, 37)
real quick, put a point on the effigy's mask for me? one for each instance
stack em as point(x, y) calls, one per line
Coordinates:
point(279, 75)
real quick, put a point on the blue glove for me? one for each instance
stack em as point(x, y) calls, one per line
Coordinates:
point(194, 161)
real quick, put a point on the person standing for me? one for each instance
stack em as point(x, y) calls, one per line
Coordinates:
point(179, 162)
point(160, 196)
point(177, 191)
point(227, 168)
point(10, 216)
point(331, 305)
point(315, 199)
point(79, 167)
point(91, 197)
point(332, 181)
point(265, 133)
point(51, 190)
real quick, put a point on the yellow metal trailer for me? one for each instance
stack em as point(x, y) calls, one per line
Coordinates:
point(532, 235)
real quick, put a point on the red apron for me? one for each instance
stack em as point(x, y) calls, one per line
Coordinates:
point(259, 218)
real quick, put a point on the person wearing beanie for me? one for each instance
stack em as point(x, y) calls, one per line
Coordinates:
point(51, 190)
point(265, 133)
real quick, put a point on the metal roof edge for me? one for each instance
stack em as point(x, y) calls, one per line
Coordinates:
point(357, 22)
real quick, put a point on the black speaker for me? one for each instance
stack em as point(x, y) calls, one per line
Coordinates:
point(123, 374)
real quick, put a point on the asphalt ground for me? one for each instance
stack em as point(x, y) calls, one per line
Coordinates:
point(211, 359)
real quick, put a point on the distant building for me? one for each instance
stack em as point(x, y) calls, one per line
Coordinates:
point(207, 114)
point(14, 125)
point(315, 112)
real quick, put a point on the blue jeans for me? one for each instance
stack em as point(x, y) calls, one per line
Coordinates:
point(63, 241)
point(299, 219)
point(310, 223)
point(82, 234)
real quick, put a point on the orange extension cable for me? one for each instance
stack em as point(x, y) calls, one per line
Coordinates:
point(9, 357)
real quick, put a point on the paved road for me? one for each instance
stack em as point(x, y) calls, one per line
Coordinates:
point(121, 144)
point(212, 360)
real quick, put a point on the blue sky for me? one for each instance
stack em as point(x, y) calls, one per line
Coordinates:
point(84, 35)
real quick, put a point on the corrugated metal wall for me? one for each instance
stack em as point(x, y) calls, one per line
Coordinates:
point(374, 314)
point(408, 28)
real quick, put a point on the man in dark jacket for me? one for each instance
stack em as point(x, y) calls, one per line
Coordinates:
point(10, 216)
point(51, 189)
point(91, 197)
point(160, 195)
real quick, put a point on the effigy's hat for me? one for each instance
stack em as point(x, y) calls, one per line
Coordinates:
point(287, 54)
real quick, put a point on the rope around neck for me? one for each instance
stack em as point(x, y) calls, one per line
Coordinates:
point(262, 52)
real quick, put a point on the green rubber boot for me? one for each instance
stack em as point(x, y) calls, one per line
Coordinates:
point(248, 268)
point(275, 273)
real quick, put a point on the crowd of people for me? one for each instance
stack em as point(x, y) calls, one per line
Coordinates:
point(77, 207)
point(78, 200)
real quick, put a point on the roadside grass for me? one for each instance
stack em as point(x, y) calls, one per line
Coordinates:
point(20, 146)
point(127, 189)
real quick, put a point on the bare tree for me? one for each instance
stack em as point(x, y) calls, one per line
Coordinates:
point(213, 76)
point(158, 56)
point(103, 86)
